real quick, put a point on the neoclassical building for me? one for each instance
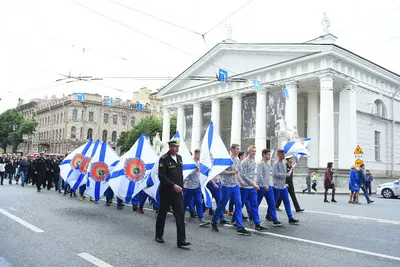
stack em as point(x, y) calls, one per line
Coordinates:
point(66, 123)
point(334, 96)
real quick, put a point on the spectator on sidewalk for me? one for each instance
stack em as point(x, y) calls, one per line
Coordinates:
point(308, 183)
point(368, 179)
point(314, 181)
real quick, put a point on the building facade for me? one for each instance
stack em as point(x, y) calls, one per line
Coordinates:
point(333, 96)
point(149, 99)
point(66, 123)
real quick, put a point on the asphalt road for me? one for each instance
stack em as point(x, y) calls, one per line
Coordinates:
point(48, 229)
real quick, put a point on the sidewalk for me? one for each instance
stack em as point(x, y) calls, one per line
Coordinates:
point(339, 191)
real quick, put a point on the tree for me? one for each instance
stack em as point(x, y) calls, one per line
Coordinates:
point(12, 128)
point(148, 126)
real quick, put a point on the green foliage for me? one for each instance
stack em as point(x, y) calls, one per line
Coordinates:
point(13, 127)
point(148, 126)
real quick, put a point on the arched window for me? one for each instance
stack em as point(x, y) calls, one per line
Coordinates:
point(114, 136)
point(53, 136)
point(133, 121)
point(81, 133)
point(75, 114)
point(379, 108)
point(57, 134)
point(73, 132)
point(58, 118)
point(89, 133)
point(105, 135)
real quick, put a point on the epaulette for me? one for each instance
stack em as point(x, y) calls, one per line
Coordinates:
point(164, 156)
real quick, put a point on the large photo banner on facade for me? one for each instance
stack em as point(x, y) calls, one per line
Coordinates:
point(249, 121)
point(275, 111)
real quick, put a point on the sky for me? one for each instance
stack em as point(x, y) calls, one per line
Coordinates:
point(43, 40)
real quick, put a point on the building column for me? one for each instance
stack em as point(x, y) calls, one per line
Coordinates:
point(347, 127)
point(261, 123)
point(179, 120)
point(236, 125)
point(291, 106)
point(312, 129)
point(215, 114)
point(166, 125)
point(196, 128)
point(326, 121)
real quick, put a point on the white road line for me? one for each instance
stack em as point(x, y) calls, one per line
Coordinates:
point(94, 260)
point(326, 245)
point(24, 223)
point(354, 217)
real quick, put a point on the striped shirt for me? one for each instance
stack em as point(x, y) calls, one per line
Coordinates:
point(230, 180)
point(263, 174)
point(248, 174)
point(192, 181)
point(279, 175)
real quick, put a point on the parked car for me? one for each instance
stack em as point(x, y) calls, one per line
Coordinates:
point(389, 190)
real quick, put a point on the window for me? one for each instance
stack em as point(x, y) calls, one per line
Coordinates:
point(48, 121)
point(91, 116)
point(377, 146)
point(105, 135)
point(73, 132)
point(53, 136)
point(89, 133)
point(379, 109)
point(155, 108)
point(161, 109)
point(61, 118)
point(114, 136)
point(54, 119)
point(57, 134)
point(75, 115)
point(124, 120)
point(105, 119)
point(115, 119)
point(133, 121)
point(81, 133)
point(58, 118)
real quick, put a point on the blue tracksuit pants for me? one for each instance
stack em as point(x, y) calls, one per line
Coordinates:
point(250, 194)
point(232, 193)
point(195, 194)
point(285, 197)
point(270, 198)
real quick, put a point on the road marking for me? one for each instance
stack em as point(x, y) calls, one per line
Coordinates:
point(94, 260)
point(354, 217)
point(326, 245)
point(19, 220)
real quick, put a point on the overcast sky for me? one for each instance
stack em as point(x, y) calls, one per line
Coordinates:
point(44, 38)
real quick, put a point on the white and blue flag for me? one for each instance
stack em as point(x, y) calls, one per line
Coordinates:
point(104, 159)
point(298, 148)
point(131, 174)
point(189, 165)
point(214, 159)
point(73, 160)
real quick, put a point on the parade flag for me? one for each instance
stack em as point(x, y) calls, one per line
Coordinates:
point(214, 159)
point(189, 165)
point(298, 148)
point(78, 177)
point(102, 163)
point(130, 175)
point(72, 161)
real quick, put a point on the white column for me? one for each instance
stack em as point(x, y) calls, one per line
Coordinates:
point(326, 121)
point(166, 125)
point(291, 106)
point(179, 120)
point(261, 123)
point(312, 129)
point(236, 126)
point(196, 128)
point(347, 128)
point(215, 114)
point(301, 117)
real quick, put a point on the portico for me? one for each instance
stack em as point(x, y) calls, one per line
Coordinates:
point(321, 80)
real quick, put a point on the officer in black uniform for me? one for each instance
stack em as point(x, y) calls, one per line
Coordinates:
point(170, 173)
point(40, 170)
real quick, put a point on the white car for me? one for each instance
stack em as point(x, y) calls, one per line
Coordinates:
point(389, 190)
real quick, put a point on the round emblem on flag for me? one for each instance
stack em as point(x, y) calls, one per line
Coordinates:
point(84, 165)
point(135, 169)
point(100, 171)
point(76, 160)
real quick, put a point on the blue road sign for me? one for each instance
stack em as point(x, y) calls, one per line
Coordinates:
point(81, 96)
point(110, 101)
point(223, 76)
point(285, 93)
point(139, 106)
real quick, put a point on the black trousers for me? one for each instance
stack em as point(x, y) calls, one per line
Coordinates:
point(40, 178)
point(368, 187)
point(292, 196)
point(168, 198)
point(2, 174)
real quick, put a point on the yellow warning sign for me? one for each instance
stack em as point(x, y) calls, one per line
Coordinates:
point(358, 162)
point(358, 150)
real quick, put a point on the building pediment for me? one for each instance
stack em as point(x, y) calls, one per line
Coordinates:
point(238, 59)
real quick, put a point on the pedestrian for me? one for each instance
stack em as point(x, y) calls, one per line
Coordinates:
point(368, 179)
point(328, 183)
point(2, 169)
point(308, 183)
point(314, 181)
point(279, 175)
point(361, 178)
point(289, 182)
point(354, 186)
point(23, 171)
point(170, 173)
point(40, 171)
